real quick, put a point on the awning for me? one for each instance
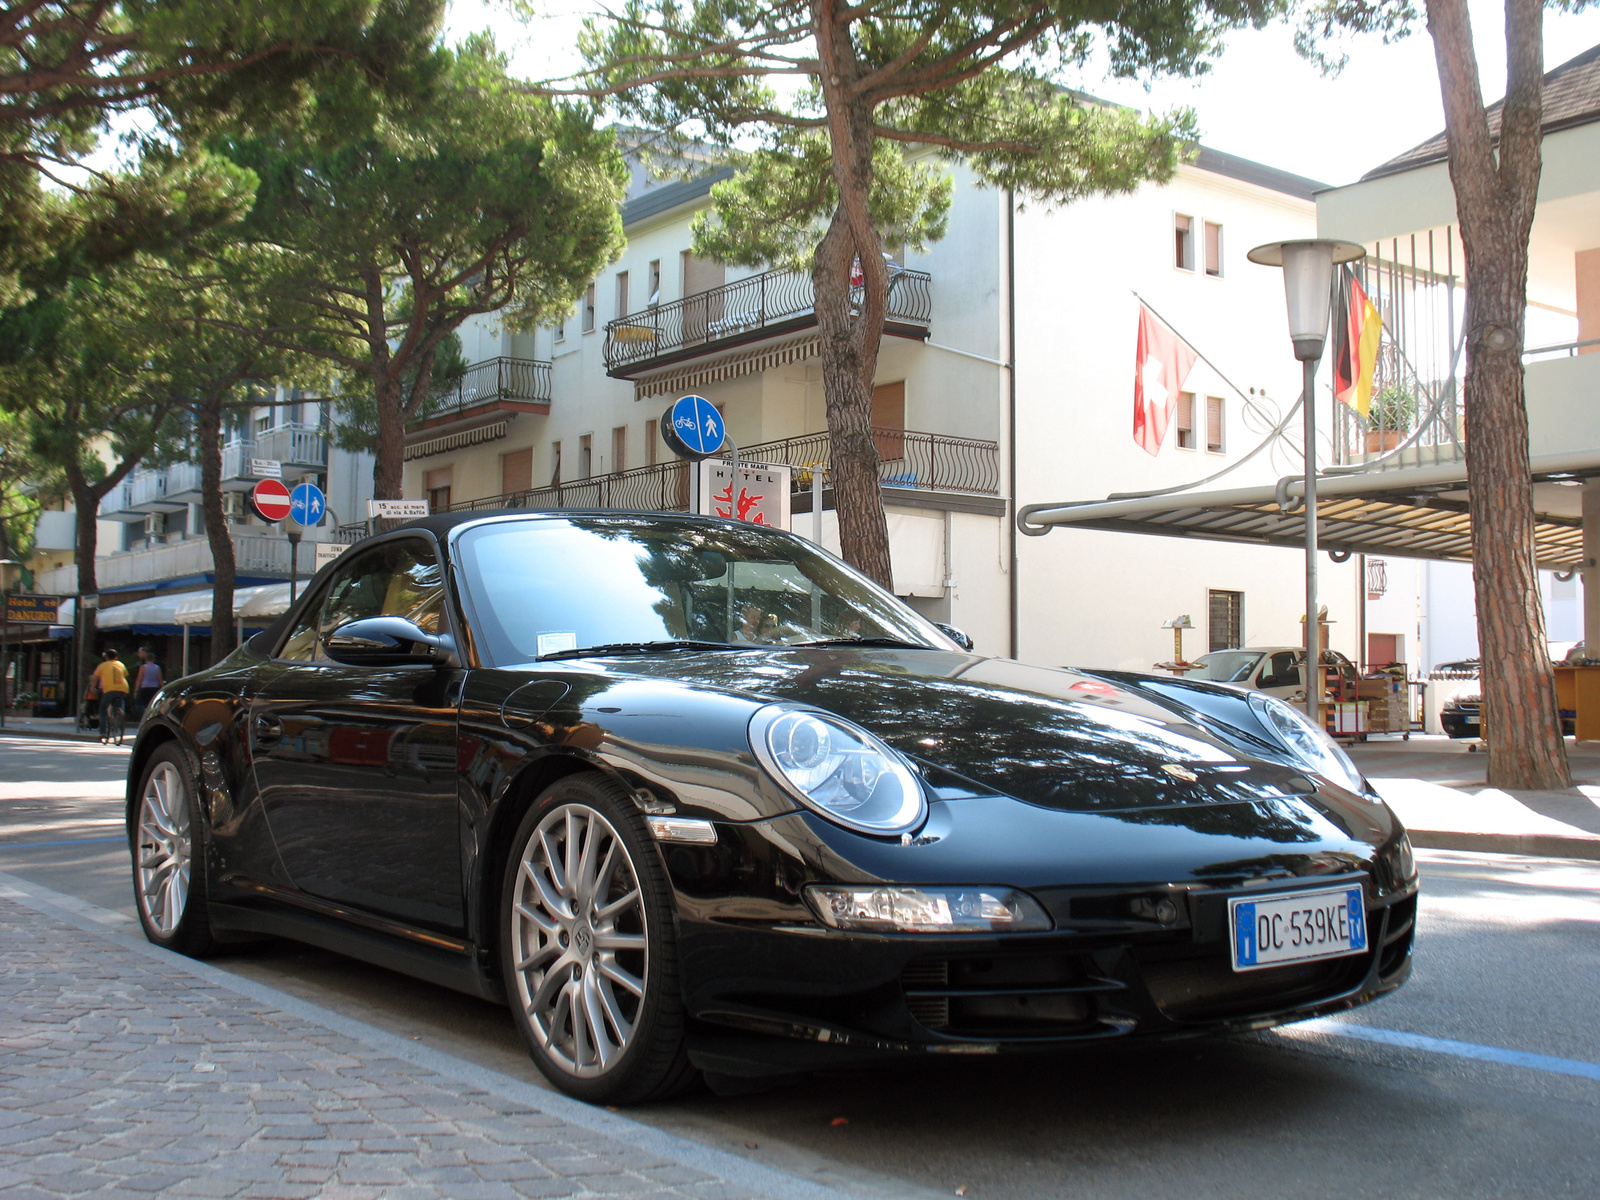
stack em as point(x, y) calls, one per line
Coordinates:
point(1416, 512)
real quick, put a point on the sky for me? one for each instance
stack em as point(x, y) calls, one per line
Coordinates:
point(1261, 101)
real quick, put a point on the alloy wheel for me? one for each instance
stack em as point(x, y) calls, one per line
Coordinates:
point(579, 940)
point(164, 849)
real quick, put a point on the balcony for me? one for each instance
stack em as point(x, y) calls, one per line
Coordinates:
point(301, 449)
point(910, 461)
point(478, 406)
point(257, 557)
point(762, 306)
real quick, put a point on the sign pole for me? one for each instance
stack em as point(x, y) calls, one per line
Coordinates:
point(816, 504)
point(294, 560)
point(5, 654)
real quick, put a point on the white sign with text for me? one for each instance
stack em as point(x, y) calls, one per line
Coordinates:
point(760, 496)
point(397, 508)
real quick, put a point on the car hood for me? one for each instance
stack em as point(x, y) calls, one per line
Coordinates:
point(1056, 738)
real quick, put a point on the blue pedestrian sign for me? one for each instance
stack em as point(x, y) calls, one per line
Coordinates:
point(693, 428)
point(307, 504)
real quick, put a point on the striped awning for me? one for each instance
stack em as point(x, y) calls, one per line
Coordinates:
point(1420, 512)
point(455, 441)
point(684, 379)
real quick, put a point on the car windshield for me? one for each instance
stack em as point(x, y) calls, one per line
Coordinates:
point(1227, 666)
point(547, 585)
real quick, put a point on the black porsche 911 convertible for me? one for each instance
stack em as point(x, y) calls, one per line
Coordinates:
point(692, 795)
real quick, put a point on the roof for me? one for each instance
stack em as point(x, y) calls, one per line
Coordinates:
point(1571, 97)
point(654, 200)
point(1259, 174)
point(659, 199)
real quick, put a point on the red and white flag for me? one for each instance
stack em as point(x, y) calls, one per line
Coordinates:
point(1164, 361)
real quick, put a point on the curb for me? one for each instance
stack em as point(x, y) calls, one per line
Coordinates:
point(59, 735)
point(1534, 845)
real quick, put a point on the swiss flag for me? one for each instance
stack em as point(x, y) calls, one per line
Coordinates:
point(1163, 362)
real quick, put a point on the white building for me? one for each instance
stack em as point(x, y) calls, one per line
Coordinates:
point(1006, 375)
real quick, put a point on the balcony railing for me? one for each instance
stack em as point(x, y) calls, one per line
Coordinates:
point(254, 554)
point(291, 445)
point(771, 301)
point(146, 486)
point(508, 381)
point(909, 459)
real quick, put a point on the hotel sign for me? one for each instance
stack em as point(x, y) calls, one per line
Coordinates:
point(32, 610)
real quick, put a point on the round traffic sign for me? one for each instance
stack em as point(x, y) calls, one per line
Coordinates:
point(693, 428)
point(271, 500)
point(307, 504)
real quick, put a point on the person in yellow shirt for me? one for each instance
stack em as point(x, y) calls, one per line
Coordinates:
point(111, 679)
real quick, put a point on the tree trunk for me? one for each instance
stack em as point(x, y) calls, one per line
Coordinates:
point(220, 537)
point(1496, 191)
point(851, 326)
point(389, 448)
point(87, 511)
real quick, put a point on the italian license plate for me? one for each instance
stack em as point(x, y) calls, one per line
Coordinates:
point(1268, 931)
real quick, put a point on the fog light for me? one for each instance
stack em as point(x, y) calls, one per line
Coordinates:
point(926, 910)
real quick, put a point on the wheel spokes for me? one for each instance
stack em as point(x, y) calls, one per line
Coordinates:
point(164, 849)
point(576, 909)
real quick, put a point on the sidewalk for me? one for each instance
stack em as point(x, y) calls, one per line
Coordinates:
point(128, 1070)
point(1439, 790)
point(53, 727)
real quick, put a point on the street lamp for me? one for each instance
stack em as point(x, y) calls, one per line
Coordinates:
point(10, 576)
point(1308, 290)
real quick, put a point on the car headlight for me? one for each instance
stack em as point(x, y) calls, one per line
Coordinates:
point(838, 770)
point(1306, 742)
point(884, 909)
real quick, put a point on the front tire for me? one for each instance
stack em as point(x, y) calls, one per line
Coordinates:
point(588, 947)
point(169, 868)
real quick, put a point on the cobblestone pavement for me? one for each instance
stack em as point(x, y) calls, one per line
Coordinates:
point(122, 1074)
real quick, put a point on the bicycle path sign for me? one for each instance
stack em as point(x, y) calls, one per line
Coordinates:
point(693, 428)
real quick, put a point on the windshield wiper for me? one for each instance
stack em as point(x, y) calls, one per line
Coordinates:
point(638, 648)
point(864, 641)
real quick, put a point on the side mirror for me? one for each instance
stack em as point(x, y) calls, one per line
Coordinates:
point(958, 636)
point(389, 642)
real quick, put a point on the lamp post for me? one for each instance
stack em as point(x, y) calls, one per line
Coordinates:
point(1308, 291)
point(10, 576)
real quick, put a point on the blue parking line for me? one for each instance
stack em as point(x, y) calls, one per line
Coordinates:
point(68, 842)
point(1415, 1041)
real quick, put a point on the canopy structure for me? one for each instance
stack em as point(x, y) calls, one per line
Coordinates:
point(254, 605)
point(1415, 512)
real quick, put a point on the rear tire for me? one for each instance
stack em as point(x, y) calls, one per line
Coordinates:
point(588, 947)
point(169, 866)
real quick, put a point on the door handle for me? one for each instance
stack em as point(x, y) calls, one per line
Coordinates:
point(269, 730)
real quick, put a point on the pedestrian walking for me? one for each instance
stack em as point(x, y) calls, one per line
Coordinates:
point(147, 680)
point(111, 679)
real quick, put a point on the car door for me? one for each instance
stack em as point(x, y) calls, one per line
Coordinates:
point(356, 766)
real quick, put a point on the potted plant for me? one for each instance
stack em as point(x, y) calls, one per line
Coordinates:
point(1390, 416)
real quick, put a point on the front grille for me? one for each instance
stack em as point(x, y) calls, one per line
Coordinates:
point(1012, 996)
point(1210, 989)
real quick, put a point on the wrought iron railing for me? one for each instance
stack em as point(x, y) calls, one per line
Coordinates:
point(522, 379)
point(908, 459)
point(758, 302)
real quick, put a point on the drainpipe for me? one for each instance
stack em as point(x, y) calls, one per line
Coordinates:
point(1011, 409)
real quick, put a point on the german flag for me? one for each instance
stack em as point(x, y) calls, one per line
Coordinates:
point(1357, 330)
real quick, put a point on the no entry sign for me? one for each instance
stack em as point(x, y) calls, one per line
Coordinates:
point(271, 500)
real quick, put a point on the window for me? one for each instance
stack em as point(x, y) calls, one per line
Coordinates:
point(1227, 612)
point(652, 440)
point(264, 422)
point(1183, 238)
point(397, 579)
point(516, 471)
point(437, 485)
point(1214, 416)
point(586, 457)
point(655, 282)
point(1213, 249)
point(559, 331)
point(555, 463)
point(619, 448)
point(622, 293)
point(588, 309)
point(1184, 420)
